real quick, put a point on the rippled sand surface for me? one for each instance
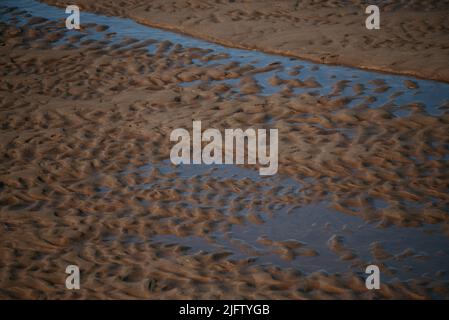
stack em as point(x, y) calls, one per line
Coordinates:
point(413, 36)
point(85, 120)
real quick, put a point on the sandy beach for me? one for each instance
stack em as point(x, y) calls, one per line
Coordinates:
point(85, 176)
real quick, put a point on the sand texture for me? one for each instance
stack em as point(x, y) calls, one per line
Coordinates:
point(85, 176)
point(413, 38)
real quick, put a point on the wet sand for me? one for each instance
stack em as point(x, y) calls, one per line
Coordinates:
point(413, 38)
point(85, 179)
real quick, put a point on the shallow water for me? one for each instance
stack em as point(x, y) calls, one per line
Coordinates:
point(411, 252)
point(432, 94)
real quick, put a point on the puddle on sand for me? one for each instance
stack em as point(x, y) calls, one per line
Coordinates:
point(391, 89)
point(309, 237)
